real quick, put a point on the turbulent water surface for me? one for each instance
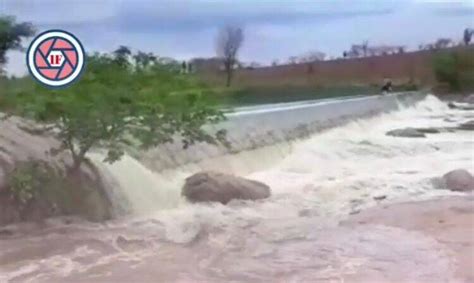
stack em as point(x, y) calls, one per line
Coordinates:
point(294, 236)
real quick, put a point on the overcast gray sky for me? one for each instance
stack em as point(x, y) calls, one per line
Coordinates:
point(274, 29)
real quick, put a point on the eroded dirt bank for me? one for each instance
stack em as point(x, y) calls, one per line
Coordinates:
point(35, 184)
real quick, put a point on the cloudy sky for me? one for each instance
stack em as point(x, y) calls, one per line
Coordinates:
point(274, 29)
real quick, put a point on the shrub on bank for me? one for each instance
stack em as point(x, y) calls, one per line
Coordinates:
point(455, 70)
point(36, 189)
point(26, 181)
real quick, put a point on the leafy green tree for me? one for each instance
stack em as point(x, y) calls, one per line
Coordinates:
point(11, 34)
point(467, 36)
point(456, 69)
point(112, 107)
point(122, 55)
point(144, 60)
point(446, 71)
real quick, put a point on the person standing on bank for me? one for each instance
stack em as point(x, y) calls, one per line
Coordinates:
point(387, 87)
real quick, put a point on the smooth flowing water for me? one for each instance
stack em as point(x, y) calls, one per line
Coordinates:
point(294, 236)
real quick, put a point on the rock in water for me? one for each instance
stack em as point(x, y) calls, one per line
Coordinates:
point(218, 187)
point(469, 125)
point(429, 130)
point(406, 133)
point(468, 107)
point(459, 180)
point(3, 181)
point(469, 99)
point(378, 198)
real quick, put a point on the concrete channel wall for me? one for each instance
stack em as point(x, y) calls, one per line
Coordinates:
point(253, 127)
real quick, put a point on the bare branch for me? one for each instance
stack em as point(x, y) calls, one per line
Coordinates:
point(229, 41)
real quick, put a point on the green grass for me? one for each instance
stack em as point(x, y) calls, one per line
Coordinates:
point(455, 70)
point(248, 96)
point(234, 97)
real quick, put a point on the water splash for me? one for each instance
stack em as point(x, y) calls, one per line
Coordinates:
point(292, 236)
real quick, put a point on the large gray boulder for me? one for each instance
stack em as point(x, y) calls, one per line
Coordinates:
point(211, 186)
point(459, 180)
point(406, 133)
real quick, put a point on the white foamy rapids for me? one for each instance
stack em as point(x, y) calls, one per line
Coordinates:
point(344, 169)
point(136, 189)
point(292, 236)
point(327, 176)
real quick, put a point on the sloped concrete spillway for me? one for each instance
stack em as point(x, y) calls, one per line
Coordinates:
point(253, 127)
point(293, 236)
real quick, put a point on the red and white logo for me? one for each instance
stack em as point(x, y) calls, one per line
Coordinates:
point(55, 58)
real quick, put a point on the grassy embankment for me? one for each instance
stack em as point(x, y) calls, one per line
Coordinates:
point(248, 96)
point(239, 96)
point(450, 70)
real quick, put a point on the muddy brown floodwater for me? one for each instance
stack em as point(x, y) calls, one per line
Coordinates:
point(348, 205)
point(447, 222)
